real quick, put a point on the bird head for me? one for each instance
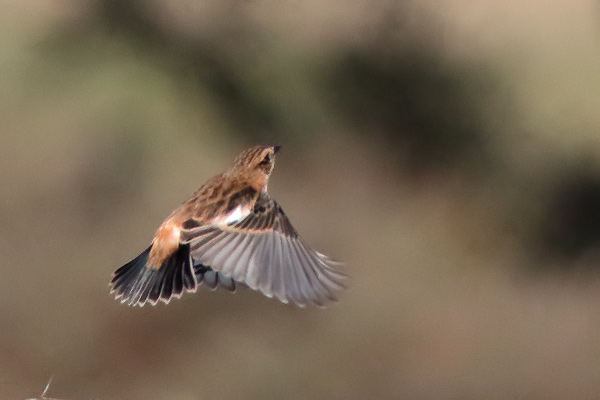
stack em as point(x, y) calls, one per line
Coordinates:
point(255, 165)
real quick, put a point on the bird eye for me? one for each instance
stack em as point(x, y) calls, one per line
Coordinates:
point(265, 160)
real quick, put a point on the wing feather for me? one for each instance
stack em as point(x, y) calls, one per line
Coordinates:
point(276, 281)
point(302, 281)
point(265, 252)
point(205, 237)
point(262, 271)
point(243, 259)
point(232, 259)
point(222, 250)
point(315, 288)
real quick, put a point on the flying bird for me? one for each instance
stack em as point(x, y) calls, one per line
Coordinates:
point(230, 231)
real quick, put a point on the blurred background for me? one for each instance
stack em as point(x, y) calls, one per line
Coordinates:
point(446, 151)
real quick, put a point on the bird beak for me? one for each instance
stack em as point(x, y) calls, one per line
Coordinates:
point(276, 149)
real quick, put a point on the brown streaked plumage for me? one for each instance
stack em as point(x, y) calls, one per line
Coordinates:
point(231, 231)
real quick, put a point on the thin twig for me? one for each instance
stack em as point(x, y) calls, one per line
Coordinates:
point(43, 396)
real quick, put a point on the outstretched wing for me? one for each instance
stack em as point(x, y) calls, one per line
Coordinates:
point(265, 252)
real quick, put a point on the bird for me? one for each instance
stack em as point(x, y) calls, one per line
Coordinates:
point(230, 232)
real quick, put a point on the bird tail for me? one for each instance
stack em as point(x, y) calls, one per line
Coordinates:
point(135, 283)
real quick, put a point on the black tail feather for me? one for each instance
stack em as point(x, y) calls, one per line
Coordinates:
point(135, 284)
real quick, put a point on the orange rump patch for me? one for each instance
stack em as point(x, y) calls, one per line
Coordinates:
point(164, 244)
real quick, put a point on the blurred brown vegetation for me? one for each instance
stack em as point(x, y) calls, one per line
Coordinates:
point(448, 152)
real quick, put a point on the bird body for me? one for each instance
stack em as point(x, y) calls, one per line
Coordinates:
point(230, 231)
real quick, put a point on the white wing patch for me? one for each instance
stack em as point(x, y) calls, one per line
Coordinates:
point(236, 215)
